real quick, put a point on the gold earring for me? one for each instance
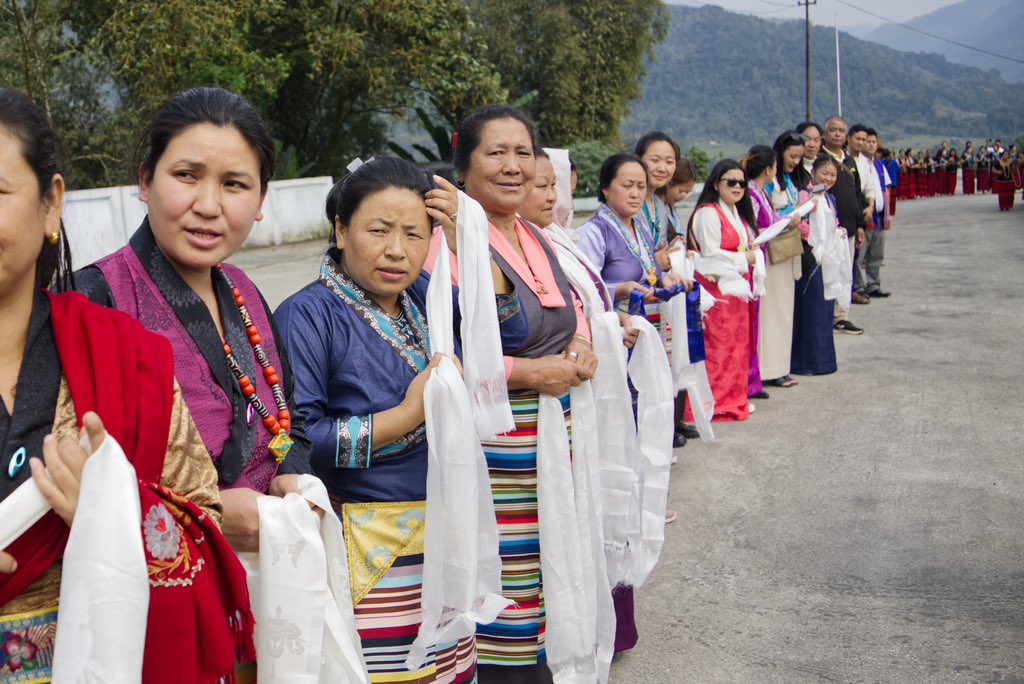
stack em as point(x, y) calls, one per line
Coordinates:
point(54, 238)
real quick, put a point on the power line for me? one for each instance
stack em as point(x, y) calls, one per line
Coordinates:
point(931, 35)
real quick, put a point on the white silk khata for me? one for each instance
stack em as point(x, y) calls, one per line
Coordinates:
point(300, 593)
point(461, 565)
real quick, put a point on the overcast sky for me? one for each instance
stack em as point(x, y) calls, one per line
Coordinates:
point(827, 11)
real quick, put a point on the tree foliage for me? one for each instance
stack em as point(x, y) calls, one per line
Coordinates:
point(330, 75)
point(583, 60)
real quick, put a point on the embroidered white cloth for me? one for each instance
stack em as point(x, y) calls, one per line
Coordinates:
point(300, 593)
point(688, 377)
point(461, 565)
point(104, 588)
point(482, 361)
point(758, 275)
point(822, 224)
point(652, 378)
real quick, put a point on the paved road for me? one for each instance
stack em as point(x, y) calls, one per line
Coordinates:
point(866, 526)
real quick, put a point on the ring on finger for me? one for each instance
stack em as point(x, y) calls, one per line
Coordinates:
point(574, 356)
point(453, 215)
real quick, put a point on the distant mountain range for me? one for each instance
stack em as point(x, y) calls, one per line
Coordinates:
point(738, 78)
point(993, 25)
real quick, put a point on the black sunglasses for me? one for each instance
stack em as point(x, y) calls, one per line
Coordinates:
point(735, 183)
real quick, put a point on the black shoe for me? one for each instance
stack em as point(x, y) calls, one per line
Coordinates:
point(760, 395)
point(878, 293)
point(847, 328)
point(690, 431)
point(678, 440)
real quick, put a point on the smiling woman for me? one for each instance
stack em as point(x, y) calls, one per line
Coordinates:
point(206, 162)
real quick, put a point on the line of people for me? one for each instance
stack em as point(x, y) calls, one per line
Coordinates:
point(990, 168)
point(446, 459)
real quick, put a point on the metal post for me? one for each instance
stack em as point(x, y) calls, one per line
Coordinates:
point(806, 4)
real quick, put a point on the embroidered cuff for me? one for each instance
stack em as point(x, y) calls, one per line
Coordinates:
point(354, 442)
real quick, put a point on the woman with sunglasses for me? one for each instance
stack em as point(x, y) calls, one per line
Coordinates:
point(775, 324)
point(722, 227)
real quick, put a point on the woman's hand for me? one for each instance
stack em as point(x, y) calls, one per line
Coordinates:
point(582, 354)
point(7, 563)
point(552, 375)
point(60, 480)
point(241, 524)
point(283, 485)
point(671, 281)
point(794, 221)
point(414, 394)
point(443, 206)
point(751, 256)
point(629, 333)
point(623, 290)
point(661, 256)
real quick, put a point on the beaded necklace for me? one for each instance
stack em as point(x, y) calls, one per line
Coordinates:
point(644, 256)
point(655, 222)
point(277, 425)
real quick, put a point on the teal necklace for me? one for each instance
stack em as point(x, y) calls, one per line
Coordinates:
point(655, 221)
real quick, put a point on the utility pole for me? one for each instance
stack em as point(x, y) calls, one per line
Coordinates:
point(806, 4)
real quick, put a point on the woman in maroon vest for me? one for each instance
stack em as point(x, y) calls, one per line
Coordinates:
point(66, 364)
point(207, 162)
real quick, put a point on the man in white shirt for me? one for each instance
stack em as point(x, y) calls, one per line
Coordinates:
point(872, 253)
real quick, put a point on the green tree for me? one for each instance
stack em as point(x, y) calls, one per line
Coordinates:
point(584, 60)
point(356, 66)
point(588, 157)
point(701, 162)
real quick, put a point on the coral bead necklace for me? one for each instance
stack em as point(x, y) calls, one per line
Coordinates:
point(280, 424)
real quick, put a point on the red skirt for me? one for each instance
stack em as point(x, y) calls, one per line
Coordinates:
point(984, 180)
point(932, 184)
point(727, 344)
point(968, 181)
point(1006, 191)
point(892, 203)
point(951, 182)
point(941, 188)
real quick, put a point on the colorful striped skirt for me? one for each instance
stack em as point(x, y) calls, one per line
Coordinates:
point(517, 636)
point(384, 542)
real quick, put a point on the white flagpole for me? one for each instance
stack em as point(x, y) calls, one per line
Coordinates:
point(839, 81)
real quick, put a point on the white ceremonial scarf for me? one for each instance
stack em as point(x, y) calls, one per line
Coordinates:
point(652, 378)
point(300, 592)
point(461, 565)
point(482, 360)
point(563, 188)
point(104, 588)
point(822, 223)
point(567, 551)
point(581, 617)
point(688, 377)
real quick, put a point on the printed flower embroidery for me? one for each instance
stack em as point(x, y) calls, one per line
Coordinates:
point(163, 538)
point(20, 652)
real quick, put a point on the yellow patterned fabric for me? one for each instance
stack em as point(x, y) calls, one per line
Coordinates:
point(375, 535)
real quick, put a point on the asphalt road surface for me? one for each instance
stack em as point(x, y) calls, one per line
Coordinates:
point(866, 526)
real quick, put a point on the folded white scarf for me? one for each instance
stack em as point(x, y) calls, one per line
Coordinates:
point(482, 360)
point(300, 593)
point(577, 596)
point(104, 588)
point(652, 378)
point(563, 212)
point(461, 565)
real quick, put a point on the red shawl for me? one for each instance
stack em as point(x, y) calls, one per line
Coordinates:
point(199, 615)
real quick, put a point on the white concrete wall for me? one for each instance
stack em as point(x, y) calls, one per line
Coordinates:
point(100, 221)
